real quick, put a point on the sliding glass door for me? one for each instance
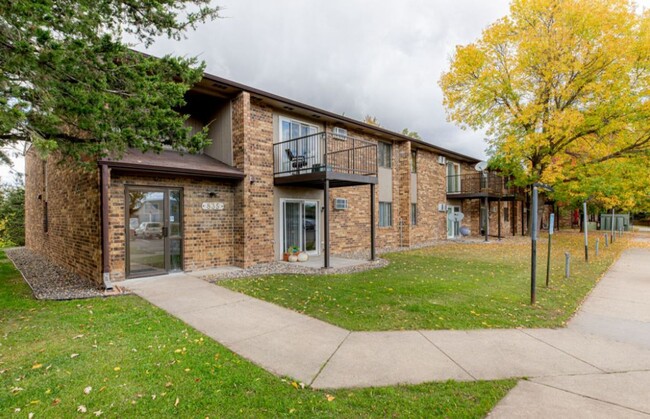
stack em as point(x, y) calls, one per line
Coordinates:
point(300, 225)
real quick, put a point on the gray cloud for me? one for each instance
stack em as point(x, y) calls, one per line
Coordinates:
point(354, 57)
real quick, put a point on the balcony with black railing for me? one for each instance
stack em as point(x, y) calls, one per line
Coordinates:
point(479, 185)
point(312, 159)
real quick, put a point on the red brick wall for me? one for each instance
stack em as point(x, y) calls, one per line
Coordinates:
point(208, 236)
point(253, 154)
point(431, 191)
point(73, 239)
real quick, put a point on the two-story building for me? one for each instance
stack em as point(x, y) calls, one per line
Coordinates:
point(277, 174)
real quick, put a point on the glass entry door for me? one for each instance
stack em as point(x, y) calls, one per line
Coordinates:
point(300, 225)
point(154, 231)
point(453, 227)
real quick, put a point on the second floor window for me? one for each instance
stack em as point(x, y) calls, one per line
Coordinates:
point(290, 129)
point(414, 161)
point(453, 177)
point(384, 155)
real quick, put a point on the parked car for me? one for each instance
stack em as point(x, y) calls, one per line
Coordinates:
point(149, 230)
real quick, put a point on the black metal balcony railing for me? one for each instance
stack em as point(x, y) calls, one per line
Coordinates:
point(480, 183)
point(323, 152)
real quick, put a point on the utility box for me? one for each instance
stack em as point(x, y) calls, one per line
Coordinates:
point(620, 221)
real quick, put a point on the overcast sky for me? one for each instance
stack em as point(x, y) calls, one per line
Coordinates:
point(357, 57)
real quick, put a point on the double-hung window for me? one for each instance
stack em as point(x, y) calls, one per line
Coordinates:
point(414, 214)
point(385, 155)
point(385, 214)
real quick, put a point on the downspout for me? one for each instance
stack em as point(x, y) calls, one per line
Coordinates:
point(105, 177)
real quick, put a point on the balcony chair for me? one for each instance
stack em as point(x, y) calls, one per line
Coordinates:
point(297, 162)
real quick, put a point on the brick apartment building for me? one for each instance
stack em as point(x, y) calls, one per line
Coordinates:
point(278, 173)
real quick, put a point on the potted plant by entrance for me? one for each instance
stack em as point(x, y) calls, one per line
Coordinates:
point(291, 255)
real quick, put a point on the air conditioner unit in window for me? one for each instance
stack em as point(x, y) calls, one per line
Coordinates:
point(339, 133)
point(340, 204)
point(442, 159)
point(442, 207)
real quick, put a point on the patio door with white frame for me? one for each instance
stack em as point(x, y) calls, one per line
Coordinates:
point(453, 227)
point(300, 225)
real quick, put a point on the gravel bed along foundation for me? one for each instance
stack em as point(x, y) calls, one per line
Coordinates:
point(280, 268)
point(51, 282)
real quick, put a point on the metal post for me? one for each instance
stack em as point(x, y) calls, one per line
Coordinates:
point(533, 248)
point(567, 264)
point(499, 220)
point(586, 228)
point(523, 218)
point(487, 218)
point(373, 254)
point(326, 229)
point(105, 176)
point(597, 243)
point(548, 257)
point(613, 214)
point(606, 241)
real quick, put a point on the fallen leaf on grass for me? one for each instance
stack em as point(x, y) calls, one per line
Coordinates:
point(37, 366)
point(55, 402)
point(31, 415)
point(78, 337)
point(88, 389)
point(117, 369)
point(82, 409)
point(176, 402)
point(16, 389)
point(329, 397)
point(98, 412)
point(74, 355)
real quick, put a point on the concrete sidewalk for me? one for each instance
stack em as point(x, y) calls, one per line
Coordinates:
point(611, 334)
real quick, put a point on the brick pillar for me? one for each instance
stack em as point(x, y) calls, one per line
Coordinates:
point(252, 137)
point(403, 200)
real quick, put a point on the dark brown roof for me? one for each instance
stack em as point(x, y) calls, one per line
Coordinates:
point(173, 162)
point(230, 88)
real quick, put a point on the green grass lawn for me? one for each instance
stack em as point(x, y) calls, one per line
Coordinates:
point(455, 286)
point(138, 361)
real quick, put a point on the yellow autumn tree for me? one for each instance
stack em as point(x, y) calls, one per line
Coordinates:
point(561, 88)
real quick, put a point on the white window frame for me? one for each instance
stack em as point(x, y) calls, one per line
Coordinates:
point(285, 165)
point(457, 184)
point(390, 145)
point(390, 217)
point(452, 226)
point(283, 245)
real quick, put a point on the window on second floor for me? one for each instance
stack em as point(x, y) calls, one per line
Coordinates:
point(453, 177)
point(385, 155)
point(414, 161)
point(290, 129)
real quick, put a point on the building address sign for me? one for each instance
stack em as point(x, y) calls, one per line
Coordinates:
point(212, 206)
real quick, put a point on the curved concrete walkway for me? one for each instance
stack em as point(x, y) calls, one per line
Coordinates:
point(608, 338)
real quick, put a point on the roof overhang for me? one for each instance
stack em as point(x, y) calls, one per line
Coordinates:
point(173, 163)
point(223, 88)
